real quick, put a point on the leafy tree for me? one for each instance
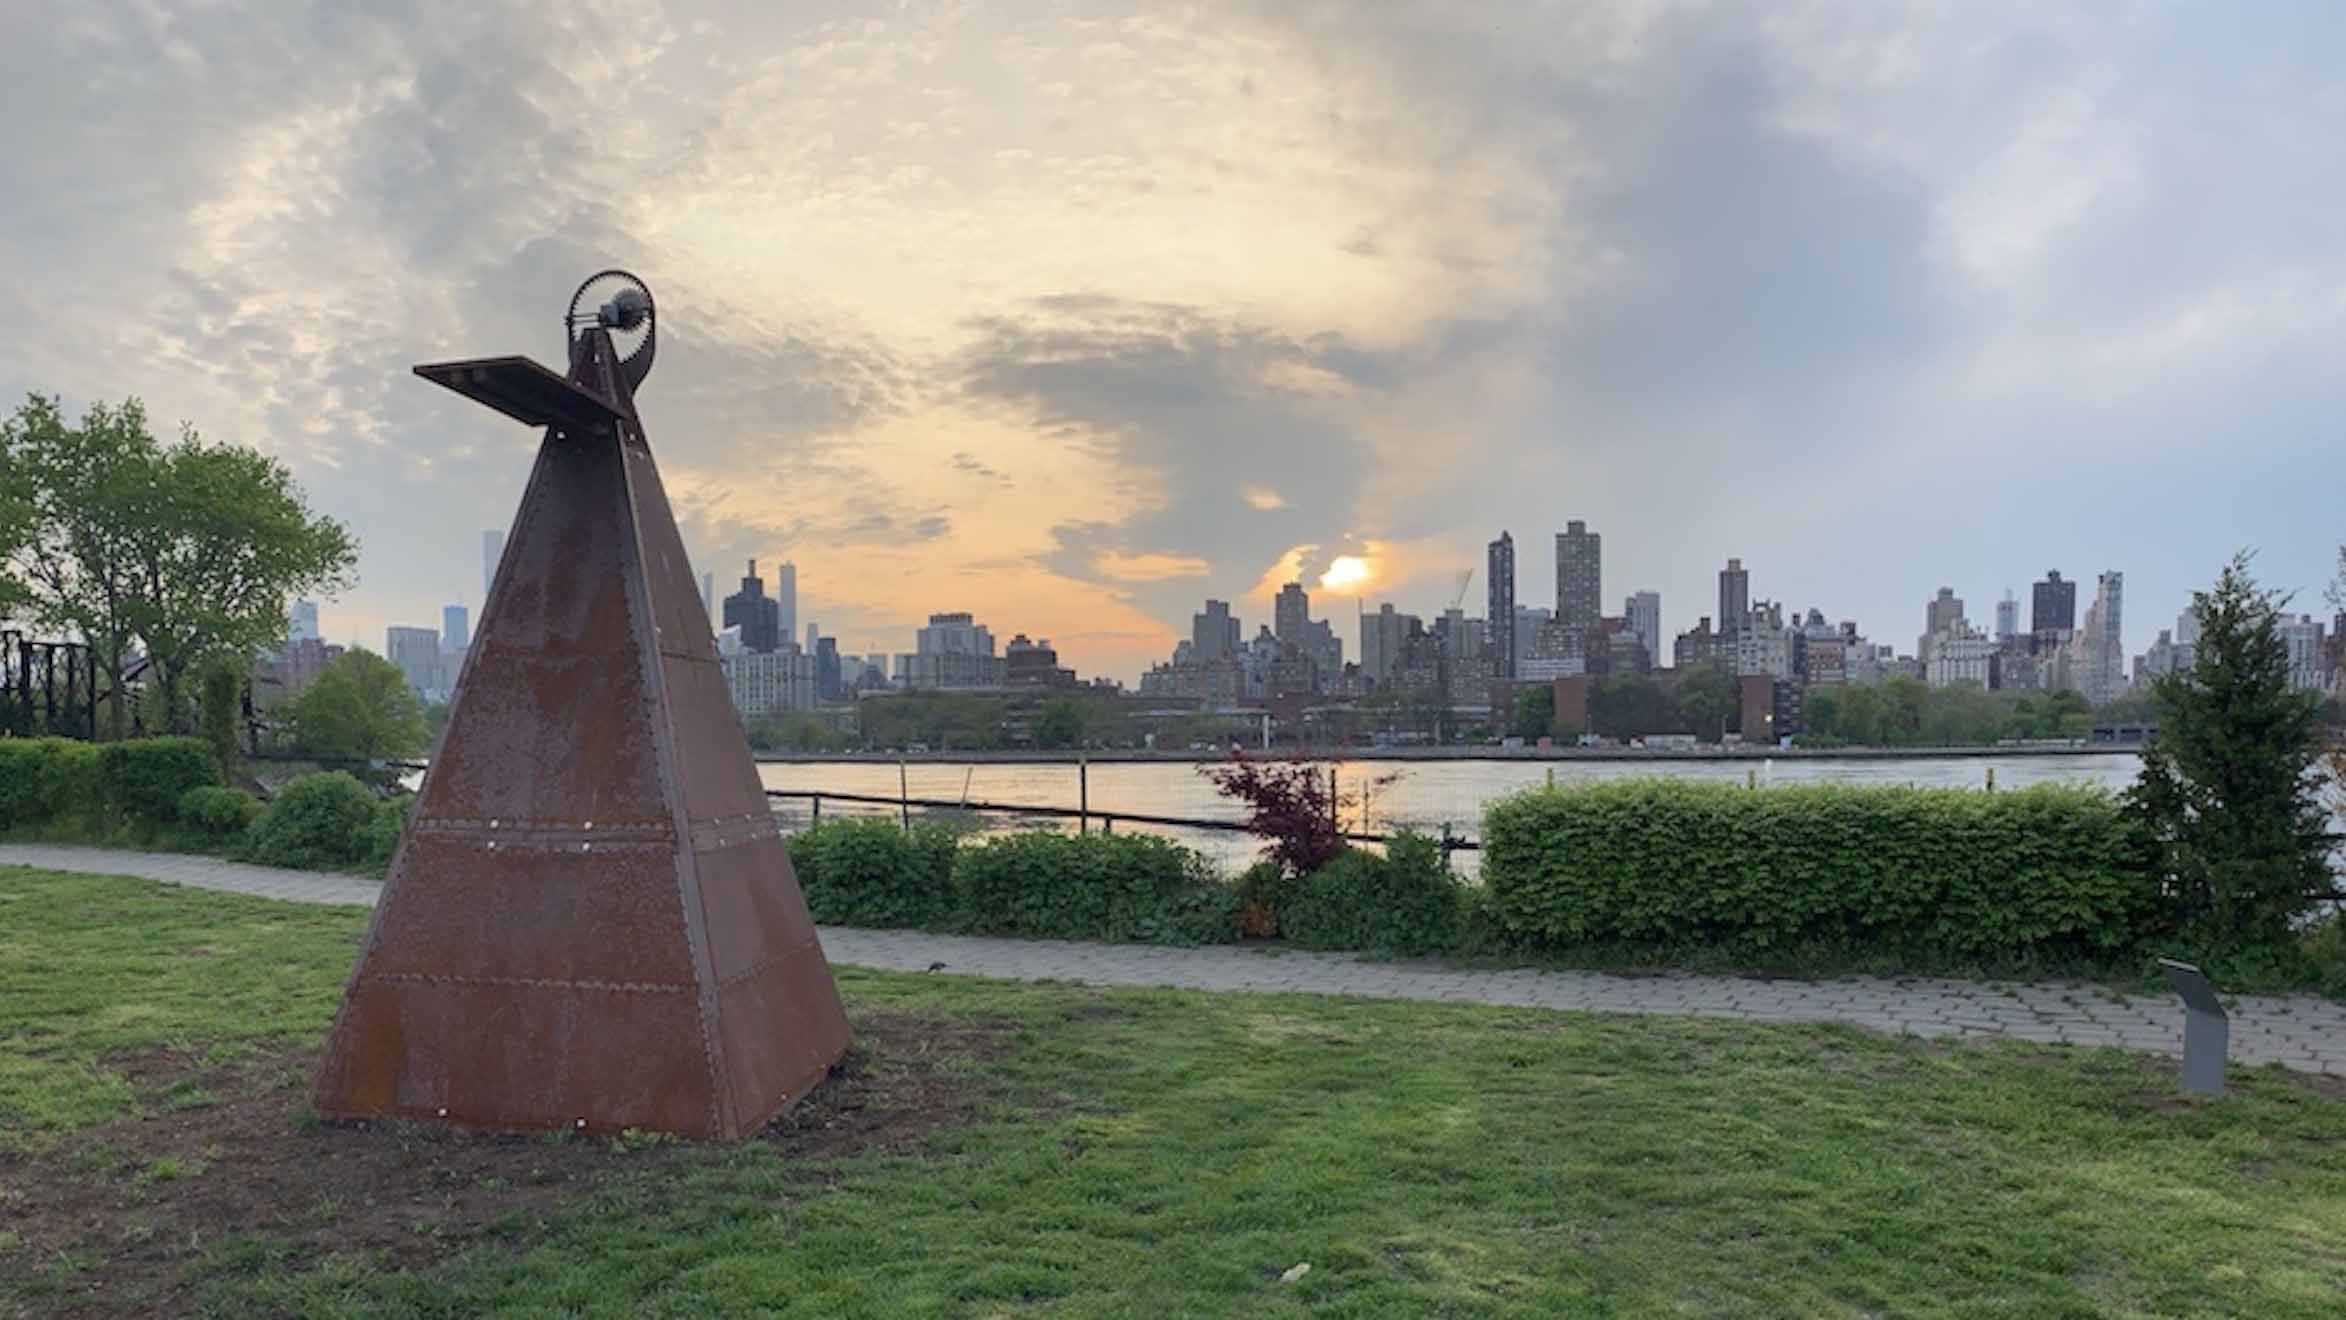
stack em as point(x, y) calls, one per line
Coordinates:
point(2127, 708)
point(360, 709)
point(79, 490)
point(1903, 699)
point(1826, 713)
point(189, 550)
point(1630, 705)
point(1427, 708)
point(2225, 797)
point(939, 719)
point(1535, 712)
point(1707, 701)
point(16, 518)
point(221, 705)
point(1061, 723)
point(794, 732)
point(220, 554)
point(1960, 715)
point(2062, 714)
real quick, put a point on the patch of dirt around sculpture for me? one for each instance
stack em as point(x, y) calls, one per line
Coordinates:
point(224, 1163)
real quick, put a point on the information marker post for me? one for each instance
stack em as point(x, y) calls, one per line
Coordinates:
point(2207, 1031)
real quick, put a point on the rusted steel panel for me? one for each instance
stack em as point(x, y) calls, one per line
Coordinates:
point(522, 390)
point(591, 918)
point(774, 1069)
point(520, 910)
point(711, 755)
point(521, 1056)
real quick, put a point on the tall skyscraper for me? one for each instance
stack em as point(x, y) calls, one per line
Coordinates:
point(2007, 619)
point(1291, 615)
point(1529, 619)
point(1580, 577)
point(1644, 612)
point(303, 626)
point(2187, 623)
point(1734, 597)
point(786, 602)
point(492, 550)
point(1213, 635)
point(1499, 610)
point(455, 628)
point(756, 615)
point(2098, 651)
point(1383, 635)
point(1941, 614)
point(416, 651)
point(813, 635)
point(1943, 611)
point(709, 594)
point(2052, 605)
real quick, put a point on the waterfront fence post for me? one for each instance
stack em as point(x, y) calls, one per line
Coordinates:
point(817, 802)
point(903, 797)
point(1991, 779)
point(1083, 795)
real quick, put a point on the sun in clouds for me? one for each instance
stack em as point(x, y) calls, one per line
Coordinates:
point(1348, 575)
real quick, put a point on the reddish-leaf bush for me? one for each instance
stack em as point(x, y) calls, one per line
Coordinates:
point(1294, 806)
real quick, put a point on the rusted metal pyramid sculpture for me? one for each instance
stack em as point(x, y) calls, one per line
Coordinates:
point(591, 919)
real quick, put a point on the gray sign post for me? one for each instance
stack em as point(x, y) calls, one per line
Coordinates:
point(2207, 1032)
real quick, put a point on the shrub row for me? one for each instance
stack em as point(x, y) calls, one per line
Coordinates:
point(168, 791)
point(1119, 887)
point(91, 786)
point(1402, 901)
point(1097, 886)
point(2045, 873)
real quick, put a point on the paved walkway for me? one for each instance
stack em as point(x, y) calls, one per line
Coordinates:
point(2303, 1032)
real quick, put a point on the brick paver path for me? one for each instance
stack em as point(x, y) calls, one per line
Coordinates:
point(2303, 1032)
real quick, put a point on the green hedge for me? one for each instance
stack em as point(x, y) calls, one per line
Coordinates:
point(219, 813)
point(1089, 886)
point(45, 781)
point(315, 822)
point(99, 787)
point(1111, 887)
point(381, 836)
point(1403, 901)
point(145, 778)
point(2046, 872)
point(871, 873)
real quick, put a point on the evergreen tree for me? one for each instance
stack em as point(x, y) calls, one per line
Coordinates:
point(2227, 799)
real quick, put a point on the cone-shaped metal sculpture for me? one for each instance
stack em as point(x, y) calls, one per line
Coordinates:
point(591, 918)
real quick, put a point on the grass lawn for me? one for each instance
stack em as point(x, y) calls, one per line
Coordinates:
point(1051, 1150)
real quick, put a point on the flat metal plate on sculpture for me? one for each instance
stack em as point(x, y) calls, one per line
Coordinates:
point(591, 919)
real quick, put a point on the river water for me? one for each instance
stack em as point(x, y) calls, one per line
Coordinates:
point(1423, 795)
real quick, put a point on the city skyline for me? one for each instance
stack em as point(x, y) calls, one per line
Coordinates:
point(2052, 607)
point(1084, 316)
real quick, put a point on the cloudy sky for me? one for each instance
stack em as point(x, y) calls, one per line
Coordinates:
point(1073, 316)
